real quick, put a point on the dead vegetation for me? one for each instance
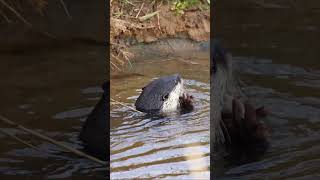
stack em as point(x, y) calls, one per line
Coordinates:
point(134, 21)
point(12, 11)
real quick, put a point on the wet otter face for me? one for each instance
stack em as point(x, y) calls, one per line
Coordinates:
point(163, 95)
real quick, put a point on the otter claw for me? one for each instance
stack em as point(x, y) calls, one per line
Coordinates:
point(262, 112)
point(245, 129)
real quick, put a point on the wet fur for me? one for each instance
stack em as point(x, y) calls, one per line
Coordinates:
point(235, 124)
point(94, 130)
point(164, 95)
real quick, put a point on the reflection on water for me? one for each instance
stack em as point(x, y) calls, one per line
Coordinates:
point(50, 91)
point(277, 56)
point(173, 147)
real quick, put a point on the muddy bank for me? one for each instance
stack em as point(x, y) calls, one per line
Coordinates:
point(178, 47)
point(128, 26)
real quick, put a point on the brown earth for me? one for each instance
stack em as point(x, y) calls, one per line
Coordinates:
point(127, 29)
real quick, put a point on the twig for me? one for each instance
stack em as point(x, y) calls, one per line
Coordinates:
point(117, 44)
point(18, 139)
point(65, 9)
point(148, 16)
point(223, 125)
point(117, 102)
point(5, 17)
point(130, 3)
point(139, 10)
point(114, 65)
point(59, 144)
point(118, 59)
point(158, 16)
point(15, 12)
point(128, 61)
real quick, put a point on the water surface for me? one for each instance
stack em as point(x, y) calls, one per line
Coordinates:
point(49, 89)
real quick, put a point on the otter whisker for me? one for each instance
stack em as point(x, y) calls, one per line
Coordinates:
point(226, 131)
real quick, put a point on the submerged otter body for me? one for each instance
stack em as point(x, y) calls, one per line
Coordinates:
point(94, 130)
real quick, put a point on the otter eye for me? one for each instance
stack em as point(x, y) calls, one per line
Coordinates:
point(165, 97)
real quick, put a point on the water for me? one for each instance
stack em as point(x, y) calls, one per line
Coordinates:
point(173, 147)
point(277, 56)
point(50, 89)
point(275, 45)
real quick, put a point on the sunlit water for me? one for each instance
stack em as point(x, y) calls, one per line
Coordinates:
point(277, 55)
point(172, 147)
point(50, 90)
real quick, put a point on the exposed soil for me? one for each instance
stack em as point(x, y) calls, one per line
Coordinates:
point(126, 29)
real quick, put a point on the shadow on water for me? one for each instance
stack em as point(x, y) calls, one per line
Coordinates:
point(52, 92)
point(277, 57)
point(172, 147)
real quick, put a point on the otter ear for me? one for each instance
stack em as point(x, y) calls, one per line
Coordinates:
point(143, 88)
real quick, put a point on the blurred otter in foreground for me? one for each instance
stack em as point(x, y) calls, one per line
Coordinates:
point(94, 133)
point(234, 121)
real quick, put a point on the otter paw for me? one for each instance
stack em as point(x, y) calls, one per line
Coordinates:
point(247, 134)
point(186, 103)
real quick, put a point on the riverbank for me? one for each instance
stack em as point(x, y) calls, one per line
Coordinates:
point(135, 22)
point(36, 24)
point(33, 24)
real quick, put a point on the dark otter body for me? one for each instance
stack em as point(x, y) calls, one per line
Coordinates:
point(94, 130)
point(234, 123)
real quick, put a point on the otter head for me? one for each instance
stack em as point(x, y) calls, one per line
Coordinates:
point(221, 59)
point(165, 94)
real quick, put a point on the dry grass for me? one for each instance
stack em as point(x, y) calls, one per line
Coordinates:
point(12, 10)
point(125, 21)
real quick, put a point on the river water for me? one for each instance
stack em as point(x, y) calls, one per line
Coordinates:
point(50, 89)
point(276, 53)
point(275, 48)
point(172, 147)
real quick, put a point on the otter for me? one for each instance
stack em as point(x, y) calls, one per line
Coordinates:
point(164, 95)
point(94, 130)
point(161, 96)
point(234, 121)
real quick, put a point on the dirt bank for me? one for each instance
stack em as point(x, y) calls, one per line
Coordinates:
point(166, 20)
